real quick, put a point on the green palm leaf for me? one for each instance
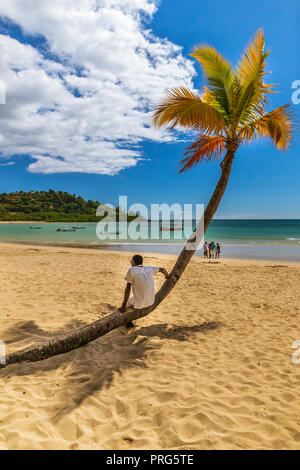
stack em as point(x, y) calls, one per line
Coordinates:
point(219, 75)
point(185, 108)
point(253, 93)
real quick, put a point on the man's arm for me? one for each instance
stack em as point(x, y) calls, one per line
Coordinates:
point(164, 272)
point(126, 297)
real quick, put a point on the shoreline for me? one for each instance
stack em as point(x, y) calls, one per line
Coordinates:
point(101, 250)
point(42, 222)
point(23, 222)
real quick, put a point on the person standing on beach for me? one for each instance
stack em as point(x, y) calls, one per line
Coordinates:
point(212, 249)
point(141, 279)
point(205, 250)
point(209, 250)
point(218, 251)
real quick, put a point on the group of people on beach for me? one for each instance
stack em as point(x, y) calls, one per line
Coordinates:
point(211, 250)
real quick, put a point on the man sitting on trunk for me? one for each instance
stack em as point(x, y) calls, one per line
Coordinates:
point(141, 279)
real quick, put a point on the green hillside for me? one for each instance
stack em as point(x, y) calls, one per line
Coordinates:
point(48, 206)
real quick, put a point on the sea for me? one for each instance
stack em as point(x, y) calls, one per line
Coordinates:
point(245, 239)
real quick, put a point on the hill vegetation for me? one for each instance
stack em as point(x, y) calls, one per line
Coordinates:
point(48, 206)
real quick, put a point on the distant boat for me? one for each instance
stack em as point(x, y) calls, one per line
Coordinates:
point(109, 233)
point(78, 227)
point(171, 228)
point(35, 228)
point(65, 229)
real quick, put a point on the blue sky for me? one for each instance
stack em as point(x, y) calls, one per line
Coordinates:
point(141, 164)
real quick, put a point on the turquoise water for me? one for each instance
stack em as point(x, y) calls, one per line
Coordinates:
point(283, 232)
point(266, 239)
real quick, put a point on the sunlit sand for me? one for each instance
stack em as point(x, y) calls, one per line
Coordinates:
point(210, 368)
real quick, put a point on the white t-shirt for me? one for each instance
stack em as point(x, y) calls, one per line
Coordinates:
point(142, 285)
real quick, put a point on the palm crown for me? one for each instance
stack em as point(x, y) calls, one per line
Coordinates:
point(232, 108)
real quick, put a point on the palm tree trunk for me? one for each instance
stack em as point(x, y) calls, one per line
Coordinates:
point(186, 254)
point(83, 335)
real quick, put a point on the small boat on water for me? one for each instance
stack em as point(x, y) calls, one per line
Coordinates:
point(109, 233)
point(65, 229)
point(35, 228)
point(78, 227)
point(171, 228)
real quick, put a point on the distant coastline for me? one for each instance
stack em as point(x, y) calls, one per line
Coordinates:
point(50, 206)
point(26, 222)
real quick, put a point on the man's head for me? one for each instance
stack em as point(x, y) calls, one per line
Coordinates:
point(136, 260)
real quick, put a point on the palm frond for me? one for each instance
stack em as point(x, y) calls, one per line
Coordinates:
point(278, 125)
point(183, 107)
point(251, 72)
point(219, 75)
point(204, 148)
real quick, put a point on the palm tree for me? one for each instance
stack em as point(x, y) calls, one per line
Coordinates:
point(230, 111)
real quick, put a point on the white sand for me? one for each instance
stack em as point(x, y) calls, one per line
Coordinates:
point(210, 368)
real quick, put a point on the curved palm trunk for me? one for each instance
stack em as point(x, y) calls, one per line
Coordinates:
point(186, 254)
point(83, 335)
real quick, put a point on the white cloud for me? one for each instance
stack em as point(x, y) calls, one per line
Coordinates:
point(7, 163)
point(89, 109)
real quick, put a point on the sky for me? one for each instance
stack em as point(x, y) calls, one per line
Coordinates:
point(82, 78)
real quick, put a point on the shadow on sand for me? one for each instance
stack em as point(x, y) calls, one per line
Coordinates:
point(30, 332)
point(93, 367)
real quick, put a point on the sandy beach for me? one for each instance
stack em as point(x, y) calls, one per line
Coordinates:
point(210, 368)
